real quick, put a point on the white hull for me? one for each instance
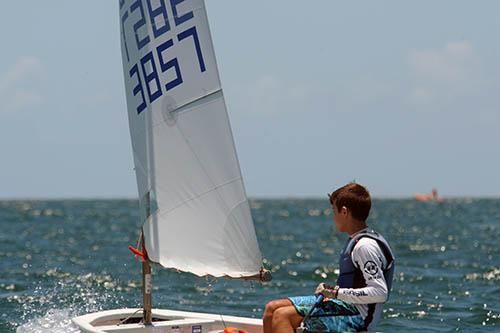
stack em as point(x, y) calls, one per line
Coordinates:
point(164, 321)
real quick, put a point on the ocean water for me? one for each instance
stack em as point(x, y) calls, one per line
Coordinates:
point(60, 259)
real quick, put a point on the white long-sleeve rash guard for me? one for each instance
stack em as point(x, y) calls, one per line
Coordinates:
point(369, 258)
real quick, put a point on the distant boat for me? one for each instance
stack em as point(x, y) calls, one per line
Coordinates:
point(428, 197)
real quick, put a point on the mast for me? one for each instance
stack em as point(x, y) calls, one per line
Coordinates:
point(146, 288)
point(146, 276)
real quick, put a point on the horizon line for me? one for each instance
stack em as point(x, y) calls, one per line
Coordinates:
point(257, 197)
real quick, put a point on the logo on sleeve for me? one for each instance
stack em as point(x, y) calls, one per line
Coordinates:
point(371, 268)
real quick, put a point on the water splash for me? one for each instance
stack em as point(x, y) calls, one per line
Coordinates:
point(54, 321)
point(51, 309)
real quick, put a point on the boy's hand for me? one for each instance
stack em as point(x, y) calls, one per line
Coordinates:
point(327, 290)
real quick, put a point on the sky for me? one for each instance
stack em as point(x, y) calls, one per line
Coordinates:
point(399, 96)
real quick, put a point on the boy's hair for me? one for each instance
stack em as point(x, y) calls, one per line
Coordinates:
point(354, 197)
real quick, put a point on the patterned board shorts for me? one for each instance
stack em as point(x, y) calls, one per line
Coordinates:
point(331, 315)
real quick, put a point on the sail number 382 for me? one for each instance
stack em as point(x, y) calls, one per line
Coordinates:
point(146, 72)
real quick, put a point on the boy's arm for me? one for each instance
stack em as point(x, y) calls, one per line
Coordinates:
point(368, 257)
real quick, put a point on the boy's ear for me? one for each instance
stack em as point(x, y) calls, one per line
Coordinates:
point(344, 210)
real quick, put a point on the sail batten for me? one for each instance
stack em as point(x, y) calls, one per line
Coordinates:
point(202, 99)
point(185, 160)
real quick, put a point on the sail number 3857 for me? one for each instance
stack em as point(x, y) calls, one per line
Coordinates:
point(146, 72)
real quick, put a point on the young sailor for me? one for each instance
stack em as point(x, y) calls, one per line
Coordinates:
point(366, 268)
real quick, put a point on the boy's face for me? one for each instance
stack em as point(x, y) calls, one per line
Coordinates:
point(340, 218)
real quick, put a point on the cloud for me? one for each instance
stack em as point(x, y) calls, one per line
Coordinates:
point(271, 95)
point(20, 85)
point(449, 77)
point(364, 93)
point(456, 61)
point(445, 75)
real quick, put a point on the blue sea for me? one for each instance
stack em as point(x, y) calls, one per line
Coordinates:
point(63, 258)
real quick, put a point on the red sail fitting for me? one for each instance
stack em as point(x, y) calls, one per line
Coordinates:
point(137, 253)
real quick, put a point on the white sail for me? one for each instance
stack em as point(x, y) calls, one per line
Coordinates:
point(195, 210)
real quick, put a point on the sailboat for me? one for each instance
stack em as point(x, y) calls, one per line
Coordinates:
point(194, 209)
